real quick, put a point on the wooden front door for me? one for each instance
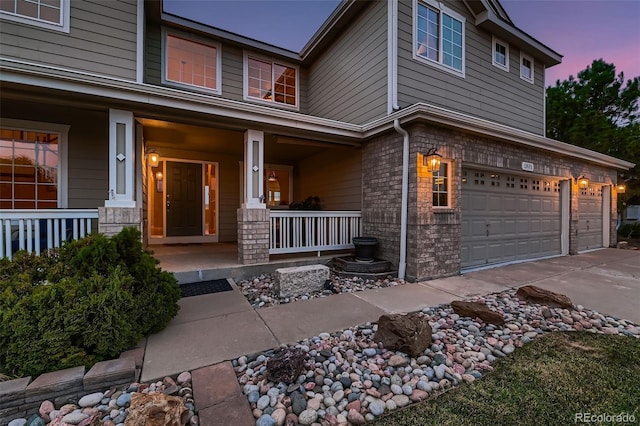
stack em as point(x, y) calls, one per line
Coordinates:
point(184, 199)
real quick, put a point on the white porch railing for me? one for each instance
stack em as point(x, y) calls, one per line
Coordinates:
point(40, 230)
point(295, 231)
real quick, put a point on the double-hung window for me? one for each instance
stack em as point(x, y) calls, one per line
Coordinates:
point(526, 67)
point(271, 81)
point(191, 63)
point(500, 54)
point(441, 183)
point(50, 14)
point(439, 36)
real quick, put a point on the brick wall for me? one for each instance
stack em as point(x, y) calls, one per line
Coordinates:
point(253, 236)
point(111, 220)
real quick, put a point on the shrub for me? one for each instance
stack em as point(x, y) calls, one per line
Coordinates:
point(86, 302)
point(629, 230)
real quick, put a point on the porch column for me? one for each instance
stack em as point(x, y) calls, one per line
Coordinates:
point(253, 216)
point(120, 209)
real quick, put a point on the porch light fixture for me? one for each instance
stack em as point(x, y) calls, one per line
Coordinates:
point(159, 176)
point(621, 188)
point(583, 182)
point(432, 160)
point(153, 157)
point(273, 177)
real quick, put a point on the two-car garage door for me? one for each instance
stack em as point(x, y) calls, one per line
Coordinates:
point(507, 217)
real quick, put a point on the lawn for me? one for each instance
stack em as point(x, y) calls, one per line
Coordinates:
point(544, 383)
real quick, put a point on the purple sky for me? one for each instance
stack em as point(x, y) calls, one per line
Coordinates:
point(580, 30)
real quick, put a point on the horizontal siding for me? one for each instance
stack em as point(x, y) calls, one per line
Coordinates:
point(232, 72)
point(486, 91)
point(101, 40)
point(334, 175)
point(152, 55)
point(348, 81)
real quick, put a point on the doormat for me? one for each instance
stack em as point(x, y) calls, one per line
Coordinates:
point(205, 287)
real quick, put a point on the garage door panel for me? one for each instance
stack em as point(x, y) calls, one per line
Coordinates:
point(590, 218)
point(522, 216)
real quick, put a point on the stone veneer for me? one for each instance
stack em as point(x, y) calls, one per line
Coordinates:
point(253, 236)
point(111, 220)
point(434, 235)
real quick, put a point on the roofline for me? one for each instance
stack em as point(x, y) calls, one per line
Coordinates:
point(145, 94)
point(326, 27)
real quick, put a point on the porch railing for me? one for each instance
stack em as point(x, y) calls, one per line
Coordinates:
point(40, 230)
point(295, 231)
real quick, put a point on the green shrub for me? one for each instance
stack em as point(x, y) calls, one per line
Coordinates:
point(629, 230)
point(83, 303)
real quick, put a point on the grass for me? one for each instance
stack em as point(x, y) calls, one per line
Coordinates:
point(544, 383)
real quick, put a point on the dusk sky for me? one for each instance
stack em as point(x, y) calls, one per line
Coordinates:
point(580, 30)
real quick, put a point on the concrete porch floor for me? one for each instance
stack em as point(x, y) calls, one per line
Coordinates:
point(201, 262)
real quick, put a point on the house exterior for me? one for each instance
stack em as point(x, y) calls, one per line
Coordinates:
point(116, 114)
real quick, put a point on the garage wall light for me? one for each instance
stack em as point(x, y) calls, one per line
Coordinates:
point(432, 160)
point(583, 182)
point(621, 189)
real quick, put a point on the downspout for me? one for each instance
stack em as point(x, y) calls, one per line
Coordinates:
point(392, 106)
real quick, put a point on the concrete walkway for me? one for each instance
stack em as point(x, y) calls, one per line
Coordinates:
point(212, 329)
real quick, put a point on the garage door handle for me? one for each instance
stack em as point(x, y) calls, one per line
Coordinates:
point(488, 228)
point(587, 225)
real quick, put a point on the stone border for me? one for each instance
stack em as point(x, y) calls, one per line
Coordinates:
point(21, 398)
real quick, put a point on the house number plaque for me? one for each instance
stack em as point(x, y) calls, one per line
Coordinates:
point(527, 166)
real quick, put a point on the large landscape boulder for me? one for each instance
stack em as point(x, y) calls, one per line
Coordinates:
point(477, 310)
point(544, 297)
point(410, 333)
point(156, 409)
point(285, 365)
point(298, 280)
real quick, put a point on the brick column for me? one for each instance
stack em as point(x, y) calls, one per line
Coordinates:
point(111, 220)
point(253, 236)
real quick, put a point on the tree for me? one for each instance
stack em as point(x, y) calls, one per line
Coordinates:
point(599, 111)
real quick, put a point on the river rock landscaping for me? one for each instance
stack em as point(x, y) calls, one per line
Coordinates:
point(349, 378)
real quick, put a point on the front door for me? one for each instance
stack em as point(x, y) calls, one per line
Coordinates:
point(184, 199)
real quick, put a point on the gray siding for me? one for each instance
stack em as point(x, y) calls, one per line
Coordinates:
point(486, 91)
point(348, 82)
point(101, 40)
point(338, 182)
point(232, 72)
point(153, 55)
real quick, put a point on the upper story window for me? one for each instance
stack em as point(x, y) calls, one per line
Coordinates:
point(439, 36)
point(192, 63)
point(50, 14)
point(526, 67)
point(500, 54)
point(441, 183)
point(29, 163)
point(270, 81)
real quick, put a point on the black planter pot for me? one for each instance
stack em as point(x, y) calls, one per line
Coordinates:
point(365, 248)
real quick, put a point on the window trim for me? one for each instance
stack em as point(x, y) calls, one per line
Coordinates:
point(533, 67)
point(63, 131)
point(441, 8)
point(65, 8)
point(494, 41)
point(448, 164)
point(193, 87)
point(272, 60)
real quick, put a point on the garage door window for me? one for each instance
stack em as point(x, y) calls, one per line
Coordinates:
point(441, 186)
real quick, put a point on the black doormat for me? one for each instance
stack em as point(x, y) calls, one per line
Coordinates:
point(205, 287)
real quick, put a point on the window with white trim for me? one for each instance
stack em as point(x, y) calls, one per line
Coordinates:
point(526, 67)
point(500, 52)
point(29, 162)
point(270, 81)
point(441, 186)
point(191, 63)
point(50, 14)
point(439, 36)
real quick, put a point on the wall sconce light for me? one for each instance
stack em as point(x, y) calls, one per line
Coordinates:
point(621, 188)
point(583, 182)
point(432, 160)
point(153, 157)
point(159, 176)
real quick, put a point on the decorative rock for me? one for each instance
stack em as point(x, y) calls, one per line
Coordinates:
point(477, 310)
point(398, 361)
point(307, 417)
point(46, 407)
point(298, 403)
point(74, 417)
point(90, 400)
point(409, 333)
point(369, 352)
point(545, 297)
point(376, 408)
point(285, 365)
point(298, 280)
point(265, 420)
point(123, 400)
point(401, 400)
point(355, 417)
point(263, 402)
point(17, 422)
point(279, 415)
point(185, 377)
point(35, 420)
point(507, 349)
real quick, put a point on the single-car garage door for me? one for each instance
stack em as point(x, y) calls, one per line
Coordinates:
point(590, 218)
point(508, 217)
